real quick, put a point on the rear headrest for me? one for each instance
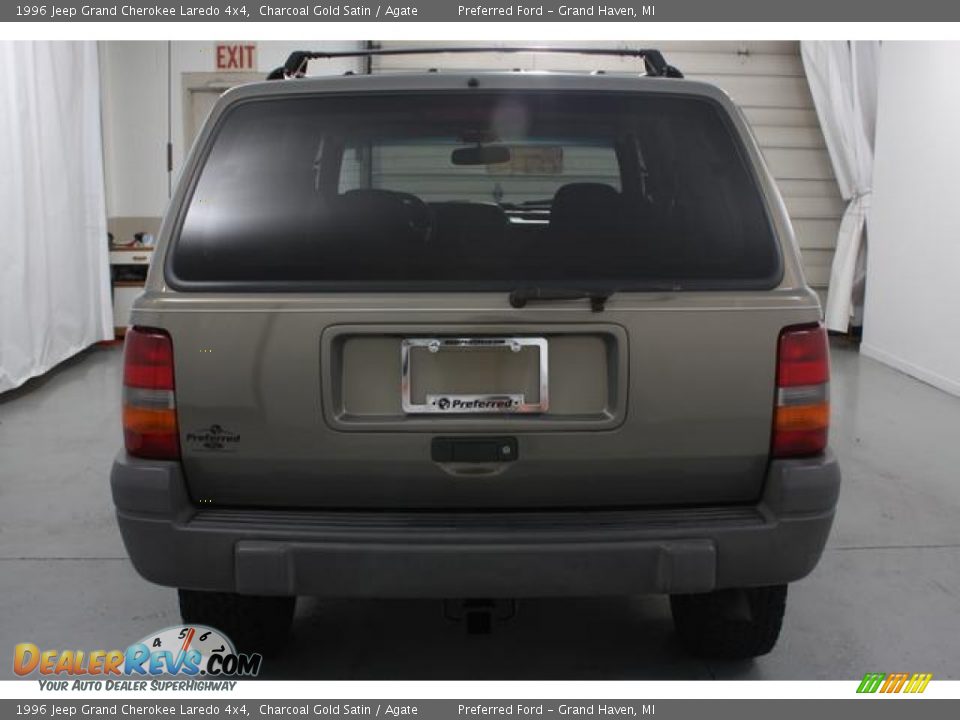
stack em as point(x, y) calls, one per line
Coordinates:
point(586, 193)
point(486, 215)
point(373, 215)
point(586, 207)
point(376, 199)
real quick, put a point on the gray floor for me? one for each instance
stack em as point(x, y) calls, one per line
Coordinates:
point(885, 598)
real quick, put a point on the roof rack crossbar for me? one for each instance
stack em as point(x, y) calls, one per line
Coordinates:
point(296, 64)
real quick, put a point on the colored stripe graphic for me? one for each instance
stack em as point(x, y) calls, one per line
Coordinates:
point(918, 683)
point(894, 683)
point(871, 682)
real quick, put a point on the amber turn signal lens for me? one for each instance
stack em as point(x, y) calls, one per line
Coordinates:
point(150, 433)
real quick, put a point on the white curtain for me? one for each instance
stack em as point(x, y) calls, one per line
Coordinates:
point(843, 79)
point(54, 267)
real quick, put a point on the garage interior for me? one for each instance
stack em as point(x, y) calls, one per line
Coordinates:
point(886, 595)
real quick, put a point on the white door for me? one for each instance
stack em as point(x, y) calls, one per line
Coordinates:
point(200, 94)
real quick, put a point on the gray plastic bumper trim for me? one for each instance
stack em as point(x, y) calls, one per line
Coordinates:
point(523, 554)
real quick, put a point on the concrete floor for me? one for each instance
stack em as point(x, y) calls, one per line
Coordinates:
point(885, 597)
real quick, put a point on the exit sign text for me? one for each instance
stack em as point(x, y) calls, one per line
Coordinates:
point(236, 56)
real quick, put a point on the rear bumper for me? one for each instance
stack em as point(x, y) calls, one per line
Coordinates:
point(523, 554)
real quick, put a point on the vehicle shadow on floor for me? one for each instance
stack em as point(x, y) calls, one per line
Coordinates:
point(555, 639)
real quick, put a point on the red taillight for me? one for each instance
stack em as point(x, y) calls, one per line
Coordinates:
point(149, 402)
point(801, 418)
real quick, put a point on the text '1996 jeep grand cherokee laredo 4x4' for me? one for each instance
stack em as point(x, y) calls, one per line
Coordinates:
point(495, 335)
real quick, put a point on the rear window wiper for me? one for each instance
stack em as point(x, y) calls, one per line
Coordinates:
point(521, 296)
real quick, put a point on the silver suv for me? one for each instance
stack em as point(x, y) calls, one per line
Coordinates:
point(477, 336)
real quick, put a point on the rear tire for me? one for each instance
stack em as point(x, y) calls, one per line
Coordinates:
point(730, 624)
point(255, 624)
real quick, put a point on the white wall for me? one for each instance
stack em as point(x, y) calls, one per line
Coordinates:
point(134, 115)
point(143, 108)
point(912, 308)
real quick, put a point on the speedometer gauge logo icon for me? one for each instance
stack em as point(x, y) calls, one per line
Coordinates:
point(191, 650)
point(182, 639)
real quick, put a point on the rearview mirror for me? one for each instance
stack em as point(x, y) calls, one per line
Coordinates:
point(481, 155)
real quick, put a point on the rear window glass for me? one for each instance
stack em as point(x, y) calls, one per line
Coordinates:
point(475, 191)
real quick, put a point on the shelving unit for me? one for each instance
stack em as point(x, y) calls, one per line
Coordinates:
point(128, 273)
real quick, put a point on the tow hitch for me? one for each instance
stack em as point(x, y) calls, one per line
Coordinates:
point(479, 614)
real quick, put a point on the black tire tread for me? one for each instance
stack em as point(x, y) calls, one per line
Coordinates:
point(255, 623)
point(706, 628)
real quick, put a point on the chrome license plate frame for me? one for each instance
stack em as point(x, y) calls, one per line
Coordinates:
point(500, 403)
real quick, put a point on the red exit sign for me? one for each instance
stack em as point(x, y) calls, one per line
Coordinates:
point(236, 56)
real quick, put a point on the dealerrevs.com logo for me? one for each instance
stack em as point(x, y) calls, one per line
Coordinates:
point(186, 651)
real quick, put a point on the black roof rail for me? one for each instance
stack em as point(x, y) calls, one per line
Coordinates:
point(296, 64)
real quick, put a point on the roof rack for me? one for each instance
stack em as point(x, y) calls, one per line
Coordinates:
point(296, 64)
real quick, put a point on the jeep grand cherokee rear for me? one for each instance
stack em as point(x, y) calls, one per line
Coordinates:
point(490, 336)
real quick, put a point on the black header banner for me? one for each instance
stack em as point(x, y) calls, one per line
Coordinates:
point(490, 11)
